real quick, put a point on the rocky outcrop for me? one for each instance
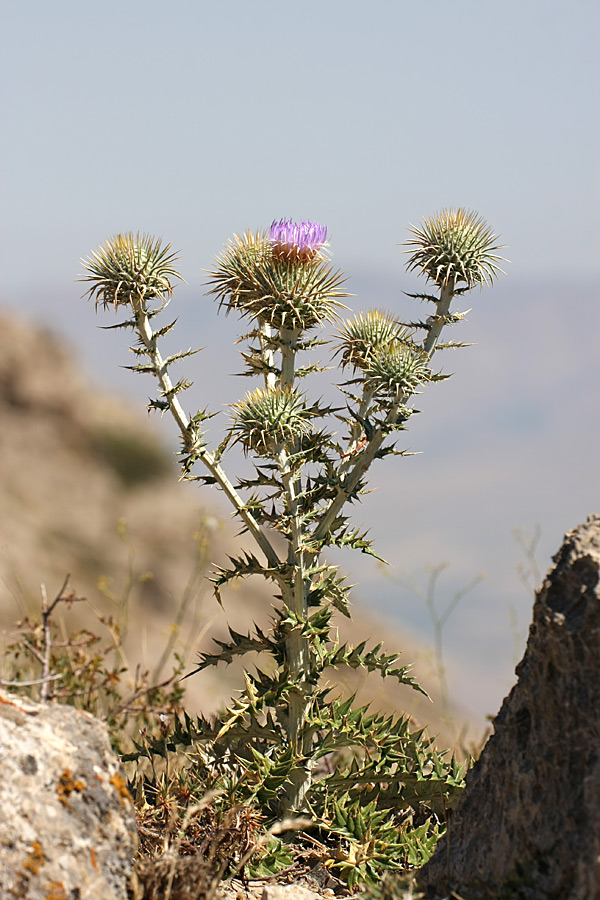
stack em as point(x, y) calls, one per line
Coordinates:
point(76, 461)
point(528, 826)
point(67, 824)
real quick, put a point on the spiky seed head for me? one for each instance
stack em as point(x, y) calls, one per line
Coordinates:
point(293, 241)
point(266, 419)
point(455, 244)
point(364, 334)
point(397, 368)
point(285, 290)
point(131, 269)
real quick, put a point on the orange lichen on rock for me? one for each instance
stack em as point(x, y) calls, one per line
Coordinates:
point(120, 785)
point(7, 702)
point(36, 858)
point(11, 711)
point(66, 785)
point(56, 891)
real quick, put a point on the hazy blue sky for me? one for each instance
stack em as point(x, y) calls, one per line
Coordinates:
point(194, 120)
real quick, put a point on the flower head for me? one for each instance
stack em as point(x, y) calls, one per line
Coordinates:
point(292, 241)
point(131, 269)
point(455, 245)
point(287, 285)
point(268, 418)
point(397, 368)
point(364, 334)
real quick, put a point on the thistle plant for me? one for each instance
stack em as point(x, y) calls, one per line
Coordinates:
point(311, 461)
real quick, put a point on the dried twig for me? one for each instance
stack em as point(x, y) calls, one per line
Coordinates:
point(4, 683)
point(136, 694)
point(46, 614)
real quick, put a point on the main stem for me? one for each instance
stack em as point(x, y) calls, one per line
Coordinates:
point(295, 596)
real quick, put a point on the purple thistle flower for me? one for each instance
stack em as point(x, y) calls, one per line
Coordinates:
point(292, 241)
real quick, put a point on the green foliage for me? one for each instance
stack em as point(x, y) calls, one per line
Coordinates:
point(373, 843)
point(376, 793)
point(377, 803)
point(276, 857)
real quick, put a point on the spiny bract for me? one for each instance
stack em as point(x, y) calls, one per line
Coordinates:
point(362, 335)
point(291, 291)
point(266, 418)
point(131, 269)
point(455, 245)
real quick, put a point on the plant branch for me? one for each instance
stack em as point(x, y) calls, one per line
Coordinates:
point(357, 466)
point(191, 437)
point(356, 430)
point(438, 321)
point(42, 681)
point(352, 479)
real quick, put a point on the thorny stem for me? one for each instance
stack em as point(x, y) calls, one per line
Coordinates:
point(297, 648)
point(439, 320)
point(356, 466)
point(295, 594)
point(357, 429)
point(267, 353)
point(350, 482)
point(190, 438)
point(288, 340)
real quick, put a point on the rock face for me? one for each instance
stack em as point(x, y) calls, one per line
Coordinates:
point(67, 825)
point(528, 826)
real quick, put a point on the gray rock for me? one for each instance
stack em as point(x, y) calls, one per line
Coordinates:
point(67, 824)
point(288, 892)
point(528, 826)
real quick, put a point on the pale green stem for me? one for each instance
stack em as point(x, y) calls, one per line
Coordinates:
point(362, 462)
point(288, 340)
point(356, 430)
point(360, 466)
point(440, 318)
point(267, 353)
point(297, 648)
point(204, 456)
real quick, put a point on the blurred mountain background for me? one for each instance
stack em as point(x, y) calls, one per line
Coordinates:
point(198, 120)
point(96, 495)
